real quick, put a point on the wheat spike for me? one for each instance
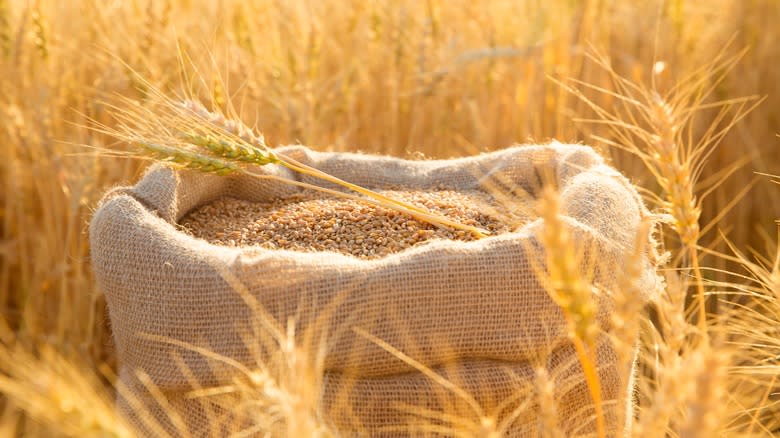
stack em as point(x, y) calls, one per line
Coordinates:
point(188, 159)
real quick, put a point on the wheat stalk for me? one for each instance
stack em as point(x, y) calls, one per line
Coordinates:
point(179, 131)
point(58, 393)
point(255, 151)
point(548, 406)
point(670, 336)
point(704, 408)
point(628, 304)
point(752, 332)
point(572, 292)
point(657, 128)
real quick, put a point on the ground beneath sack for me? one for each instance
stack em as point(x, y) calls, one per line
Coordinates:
point(313, 221)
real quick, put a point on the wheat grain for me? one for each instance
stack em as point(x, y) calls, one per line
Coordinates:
point(309, 221)
point(170, 125)
point(255, 150)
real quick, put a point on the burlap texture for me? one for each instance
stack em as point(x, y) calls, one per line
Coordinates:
point(473, 311)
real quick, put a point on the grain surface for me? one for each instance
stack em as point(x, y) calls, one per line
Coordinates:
point(312, 221)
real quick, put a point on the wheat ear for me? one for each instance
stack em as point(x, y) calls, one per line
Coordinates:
point(573, 293)
point(188, 159)
point(675, 178)
point(241, 144)
point(658, 129)
point(548, 405)
point(57, 392)
point(187, 135)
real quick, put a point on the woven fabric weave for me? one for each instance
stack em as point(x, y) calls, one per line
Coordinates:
point(474, 312)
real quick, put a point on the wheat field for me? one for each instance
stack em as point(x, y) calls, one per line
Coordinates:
point(681, 96)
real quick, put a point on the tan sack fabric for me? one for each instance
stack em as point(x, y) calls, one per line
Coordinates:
point(473, 312)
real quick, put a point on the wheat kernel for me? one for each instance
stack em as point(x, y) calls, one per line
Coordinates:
point(311, 221)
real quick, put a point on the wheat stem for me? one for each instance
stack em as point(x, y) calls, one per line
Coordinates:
point(587, 358)
point(700, 294)
point(250, 148)
point(548, 405)
point(569, 289)
point(386, 201)
point(426, 217)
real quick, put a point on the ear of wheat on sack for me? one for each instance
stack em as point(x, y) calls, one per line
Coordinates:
point(186, 134)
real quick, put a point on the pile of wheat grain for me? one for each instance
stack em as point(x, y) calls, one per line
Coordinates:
point(313, 221)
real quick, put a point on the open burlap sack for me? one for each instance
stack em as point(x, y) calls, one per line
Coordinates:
point(473, 312)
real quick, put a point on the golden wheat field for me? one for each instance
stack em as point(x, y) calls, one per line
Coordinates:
point(681, 96)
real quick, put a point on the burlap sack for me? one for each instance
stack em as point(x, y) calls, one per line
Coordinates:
point(471, 311)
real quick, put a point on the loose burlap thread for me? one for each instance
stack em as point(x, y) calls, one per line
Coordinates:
point(473, 312)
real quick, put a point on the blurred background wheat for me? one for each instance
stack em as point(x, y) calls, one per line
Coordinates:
point(409, 78)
